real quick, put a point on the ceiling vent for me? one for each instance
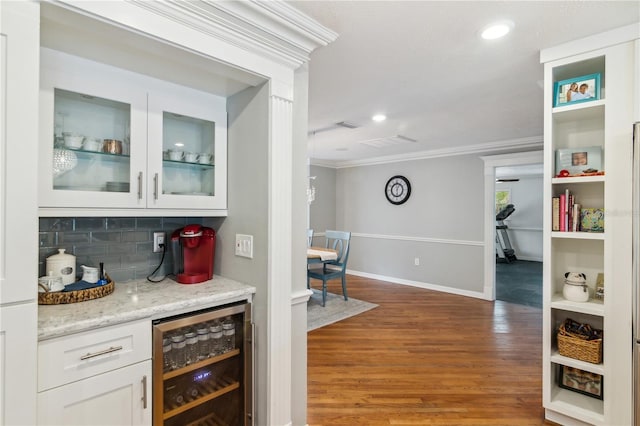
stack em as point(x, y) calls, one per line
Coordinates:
point(347, 124)
point(388, 141)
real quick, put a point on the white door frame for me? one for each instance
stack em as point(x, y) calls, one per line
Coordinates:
point(491, 162)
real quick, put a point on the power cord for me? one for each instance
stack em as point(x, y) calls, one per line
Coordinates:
point(164, 250)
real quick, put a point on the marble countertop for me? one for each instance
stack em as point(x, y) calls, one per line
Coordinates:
point(136, 300)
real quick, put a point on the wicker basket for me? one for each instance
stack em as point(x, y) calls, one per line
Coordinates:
point(60, 297)
point(577, 348)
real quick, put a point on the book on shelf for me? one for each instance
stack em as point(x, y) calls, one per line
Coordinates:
point(555, 215)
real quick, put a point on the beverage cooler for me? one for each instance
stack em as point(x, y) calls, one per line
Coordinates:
point(202, 368)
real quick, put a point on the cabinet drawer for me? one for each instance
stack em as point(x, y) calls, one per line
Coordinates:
point(78, 356)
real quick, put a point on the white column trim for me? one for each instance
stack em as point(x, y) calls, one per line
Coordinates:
point(279, 262)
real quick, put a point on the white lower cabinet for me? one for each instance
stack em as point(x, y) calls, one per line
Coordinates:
point(96, 377)
point(121, 397)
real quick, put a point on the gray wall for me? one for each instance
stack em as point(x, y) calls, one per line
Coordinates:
point(123, 244)
point(247, 205)
point(322, 212)
point(441, 224)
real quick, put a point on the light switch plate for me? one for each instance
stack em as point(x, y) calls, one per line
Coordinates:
point(244, 245)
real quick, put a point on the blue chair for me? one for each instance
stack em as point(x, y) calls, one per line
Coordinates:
point(340, 242)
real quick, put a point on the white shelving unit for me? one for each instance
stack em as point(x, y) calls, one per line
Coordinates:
point(604, 123)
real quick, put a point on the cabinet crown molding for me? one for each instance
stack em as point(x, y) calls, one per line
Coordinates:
point(271, 29)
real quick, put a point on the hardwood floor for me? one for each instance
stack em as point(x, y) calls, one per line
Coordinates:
point(425, 357)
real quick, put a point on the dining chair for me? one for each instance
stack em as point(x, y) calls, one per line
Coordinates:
point(309, 237)
point(332, 269)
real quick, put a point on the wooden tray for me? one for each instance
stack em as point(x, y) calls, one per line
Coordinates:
point(60, 297)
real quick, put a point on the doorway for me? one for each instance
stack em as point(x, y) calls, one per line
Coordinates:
point(520, 175)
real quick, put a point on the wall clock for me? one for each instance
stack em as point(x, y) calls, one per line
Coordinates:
point(397, 189)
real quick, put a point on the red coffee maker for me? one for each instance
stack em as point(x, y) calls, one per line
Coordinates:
point(193, 248)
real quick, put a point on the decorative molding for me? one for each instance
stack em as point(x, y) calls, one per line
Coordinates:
point(428, 286)
point(522, 143)
point(279, 278)
point(417, 239)
point(300, 297)
point(271, 29)
point(591, 43)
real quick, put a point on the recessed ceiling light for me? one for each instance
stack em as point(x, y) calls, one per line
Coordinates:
point(497, 30)
point(179, 144)
point(379, 117)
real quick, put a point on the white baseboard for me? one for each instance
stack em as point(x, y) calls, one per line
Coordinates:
point(428, 286)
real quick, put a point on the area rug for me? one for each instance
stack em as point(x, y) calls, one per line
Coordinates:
point(336, 309)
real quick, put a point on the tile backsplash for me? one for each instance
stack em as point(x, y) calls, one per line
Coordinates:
point(124, 244)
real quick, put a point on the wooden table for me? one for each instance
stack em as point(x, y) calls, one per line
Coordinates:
point(314, 257)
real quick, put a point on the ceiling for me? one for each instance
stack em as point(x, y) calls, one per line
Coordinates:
point(443, 89)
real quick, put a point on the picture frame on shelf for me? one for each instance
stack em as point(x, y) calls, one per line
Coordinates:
point(578, 161)
point(591, 220)
point(577, 380)
point(576, 90)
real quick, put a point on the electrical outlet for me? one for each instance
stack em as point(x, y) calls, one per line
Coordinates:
point(416, 261)
point(158, 238)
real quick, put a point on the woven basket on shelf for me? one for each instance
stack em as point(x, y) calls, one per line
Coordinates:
point(60, 297)
point(577, 348)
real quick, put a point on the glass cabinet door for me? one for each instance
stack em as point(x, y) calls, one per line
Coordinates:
point(93, 135)
point(188, 155)
point(187, 151)
point(91, 143)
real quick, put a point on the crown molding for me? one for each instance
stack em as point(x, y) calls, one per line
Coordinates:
point(485, 148)
point(272, 29)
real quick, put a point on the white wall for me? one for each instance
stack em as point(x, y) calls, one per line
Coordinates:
point(525, 224)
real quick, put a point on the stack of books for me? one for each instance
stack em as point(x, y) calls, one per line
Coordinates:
point(569, 216)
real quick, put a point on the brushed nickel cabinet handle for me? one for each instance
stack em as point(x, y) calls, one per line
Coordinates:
point(106, 351)
point(140, 186)
point(144, 392)
point(155, 187)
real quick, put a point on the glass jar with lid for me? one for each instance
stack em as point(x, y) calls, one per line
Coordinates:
point(228, 334)
point(215, 339)
point(166, 355)
point(191, 340)
point(178, 351)
point(204, 348)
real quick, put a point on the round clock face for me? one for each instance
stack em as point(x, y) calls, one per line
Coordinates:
point(397, 189)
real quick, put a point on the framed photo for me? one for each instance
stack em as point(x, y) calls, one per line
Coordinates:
point(591, 220)
point(580, 381)
point(576, 90)
point(577, 160)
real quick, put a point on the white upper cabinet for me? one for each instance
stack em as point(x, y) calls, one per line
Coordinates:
point(111, 138)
